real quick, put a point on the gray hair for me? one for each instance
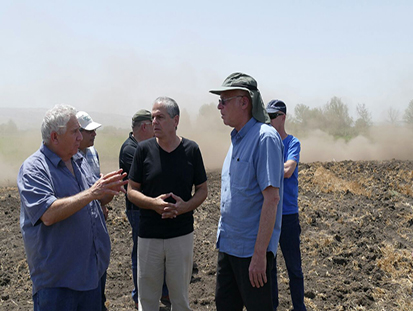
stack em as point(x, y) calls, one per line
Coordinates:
point(170, 105)
point(136, 124)
point(55, 120)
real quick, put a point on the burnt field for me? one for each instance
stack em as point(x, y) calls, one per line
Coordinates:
point(357, 241)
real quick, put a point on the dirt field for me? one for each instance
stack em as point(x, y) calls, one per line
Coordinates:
point(357, 239)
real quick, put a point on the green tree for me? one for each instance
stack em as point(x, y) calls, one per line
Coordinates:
point(408, 114)
point(393, 115)
point(338, 120)
point(209, 116)
point(9, 127)
point(363, 123)
point(307, 119)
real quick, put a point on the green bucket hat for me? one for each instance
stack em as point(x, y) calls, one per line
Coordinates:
point(142, 115)
point(242, 81)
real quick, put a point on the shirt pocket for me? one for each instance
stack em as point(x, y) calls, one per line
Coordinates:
point(241, 173)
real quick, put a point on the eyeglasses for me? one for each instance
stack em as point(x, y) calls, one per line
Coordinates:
point(224, 101)
point(275, 114)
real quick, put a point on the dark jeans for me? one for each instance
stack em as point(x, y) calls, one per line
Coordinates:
point(234, 289)
point(103, 286)
point(290, 247)
point(133, 217)
point(65, 299)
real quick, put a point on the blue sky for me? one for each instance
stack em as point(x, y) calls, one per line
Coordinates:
point(118, 56)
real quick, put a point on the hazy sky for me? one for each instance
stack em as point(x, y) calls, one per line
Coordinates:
point(118, 56)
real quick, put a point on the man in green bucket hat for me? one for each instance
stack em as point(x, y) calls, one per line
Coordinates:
point(251, 198)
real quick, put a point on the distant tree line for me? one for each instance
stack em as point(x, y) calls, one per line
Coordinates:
point(8, 128)
point(334, 119)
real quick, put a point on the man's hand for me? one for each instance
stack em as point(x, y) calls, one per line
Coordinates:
point(175, 209)
point(110, 184)
point(105, 187)
point(164, 208)
point(257, 270)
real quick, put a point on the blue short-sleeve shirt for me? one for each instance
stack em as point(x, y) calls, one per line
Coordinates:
point(74, 252)
point(253, 163)
point(291, 152)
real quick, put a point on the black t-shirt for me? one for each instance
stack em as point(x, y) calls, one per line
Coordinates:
point(125, 161)
point(160, 172)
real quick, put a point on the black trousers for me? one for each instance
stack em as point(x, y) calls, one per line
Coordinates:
point(234, 289)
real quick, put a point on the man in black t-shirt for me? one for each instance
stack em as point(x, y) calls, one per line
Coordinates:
point(164, 171)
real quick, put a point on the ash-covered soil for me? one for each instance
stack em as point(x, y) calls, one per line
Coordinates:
point(357, 222)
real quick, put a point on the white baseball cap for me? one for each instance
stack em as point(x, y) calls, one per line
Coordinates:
point(86, 121)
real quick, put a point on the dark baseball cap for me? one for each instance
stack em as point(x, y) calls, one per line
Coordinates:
point(276, 105)
point(142, 115)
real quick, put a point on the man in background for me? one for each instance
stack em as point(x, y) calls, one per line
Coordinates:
point(167, 181)
point(251, 196)
point(290, 228)
point(88, 129)
point(141, 130)
point(62, 224)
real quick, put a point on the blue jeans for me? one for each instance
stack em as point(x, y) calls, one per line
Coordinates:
point(290, 247)
point(65, 299)
point(133, 217)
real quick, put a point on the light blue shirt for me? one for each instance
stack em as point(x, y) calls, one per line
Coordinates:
point(92, 159)
point(254, 162)
point(291, 152)
point(74, 252)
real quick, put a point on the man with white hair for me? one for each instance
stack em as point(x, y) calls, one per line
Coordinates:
point(62, 224)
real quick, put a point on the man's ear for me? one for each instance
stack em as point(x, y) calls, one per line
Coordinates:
point(54, 138)
point(245, 101)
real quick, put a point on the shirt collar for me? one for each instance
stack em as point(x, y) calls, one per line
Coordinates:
point(244, 129)
point(78, 158)
point(132, 137)
point(54, 158)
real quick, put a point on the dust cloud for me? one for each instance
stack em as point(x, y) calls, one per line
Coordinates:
point(382, 142)
point(8, 173)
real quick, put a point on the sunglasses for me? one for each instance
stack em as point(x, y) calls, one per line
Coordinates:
point(275, 114)
point(86, 131)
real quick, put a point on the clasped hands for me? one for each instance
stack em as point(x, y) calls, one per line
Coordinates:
point(169, 209)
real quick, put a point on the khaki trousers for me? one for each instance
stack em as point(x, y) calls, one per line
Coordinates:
point(174, 257)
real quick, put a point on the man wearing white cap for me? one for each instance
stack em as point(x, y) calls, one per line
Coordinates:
point(88, 129)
